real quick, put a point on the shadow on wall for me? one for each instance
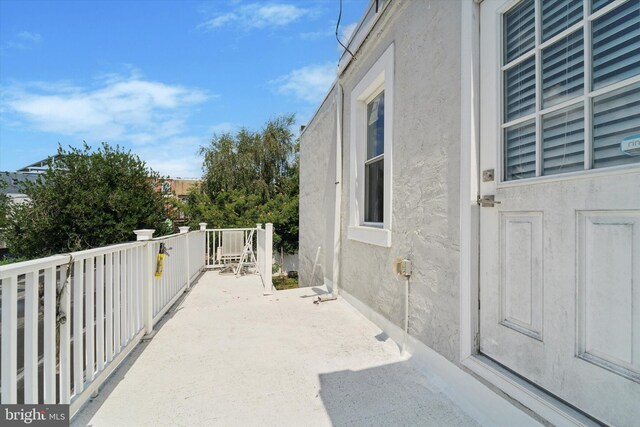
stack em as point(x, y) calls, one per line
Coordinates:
point(388, 395)
point(312, 273)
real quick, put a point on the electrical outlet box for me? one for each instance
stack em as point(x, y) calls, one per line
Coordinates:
point(403, 267)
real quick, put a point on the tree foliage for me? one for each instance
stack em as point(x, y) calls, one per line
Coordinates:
point(89, 199)
point(251, 177)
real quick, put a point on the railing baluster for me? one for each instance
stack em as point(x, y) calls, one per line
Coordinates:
point(123, 298)
point(131, 291)
point(100, 312)
point(65, 336)
point(89, 313)
point(116, 303)
point(49, 377)
point(78, 341)
point(9, 340)
point(108, 297)
point(31, 304)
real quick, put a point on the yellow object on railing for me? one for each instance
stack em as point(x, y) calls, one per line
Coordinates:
point(160, 261)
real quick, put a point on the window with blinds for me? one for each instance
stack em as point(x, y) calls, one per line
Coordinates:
point(571, 85)
point(374, 164)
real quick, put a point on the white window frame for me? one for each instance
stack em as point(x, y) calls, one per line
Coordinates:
point(379, 78)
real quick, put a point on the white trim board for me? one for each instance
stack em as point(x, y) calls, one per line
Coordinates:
point(467, 392)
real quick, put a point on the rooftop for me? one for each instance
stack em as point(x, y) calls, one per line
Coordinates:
point(224, 354)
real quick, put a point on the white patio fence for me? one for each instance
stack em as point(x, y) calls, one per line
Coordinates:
point(69, 320)
point(225, 246)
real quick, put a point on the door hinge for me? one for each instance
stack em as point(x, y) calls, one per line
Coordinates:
point(487, 201)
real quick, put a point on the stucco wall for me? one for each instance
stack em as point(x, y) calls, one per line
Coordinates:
point(426, 158)
point(317, 196)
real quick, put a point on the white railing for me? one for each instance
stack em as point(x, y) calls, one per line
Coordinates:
point(86, 311)
point(264, 256)
point(225, 245)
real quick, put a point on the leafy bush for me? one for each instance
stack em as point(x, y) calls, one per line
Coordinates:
point(86, 199)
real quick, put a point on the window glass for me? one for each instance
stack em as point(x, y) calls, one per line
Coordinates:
point(616, 45)
point(554, 115)
point(520, 90)
point(520, 151)
point(375, 127)
point(596, 5)
point(563, 140)
point(519, 30)
point(558, 15)
point(374, 191)
point(563, 70)
point(616, 116)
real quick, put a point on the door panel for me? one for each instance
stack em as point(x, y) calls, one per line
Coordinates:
point(560, 253)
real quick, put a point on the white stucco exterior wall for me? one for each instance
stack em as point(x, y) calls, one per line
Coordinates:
point(317, 196)
point(426, 176)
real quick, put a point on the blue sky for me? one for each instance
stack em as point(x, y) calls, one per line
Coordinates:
point(159, 77)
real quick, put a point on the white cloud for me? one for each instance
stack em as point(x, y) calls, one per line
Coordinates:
point(308, 83)
point(177, 157)
point(29, 37)
point(22, 40)
point(257, 16)
point(120, 109)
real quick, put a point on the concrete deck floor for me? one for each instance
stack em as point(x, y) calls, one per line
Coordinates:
point(226, 355)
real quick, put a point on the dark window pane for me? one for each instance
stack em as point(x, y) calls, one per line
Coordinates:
point(375, 127)
point(599, 4)
point(374, 191)
point(563, 70)
point(616, 45)
point(519, 30)
point(563, 141)
point(558, 15)
point(520, 151)
point(616, 116)
point(520, 90)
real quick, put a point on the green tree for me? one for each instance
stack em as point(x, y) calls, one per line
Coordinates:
point(89, 199)
point(4, 208)
point(251, 177)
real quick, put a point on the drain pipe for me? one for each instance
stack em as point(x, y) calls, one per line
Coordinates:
point(403, 268)
point(338, 188)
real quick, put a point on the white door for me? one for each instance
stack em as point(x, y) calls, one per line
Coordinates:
point(560, 254)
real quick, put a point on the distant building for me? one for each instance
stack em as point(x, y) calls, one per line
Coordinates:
point(178, 187)
point(14, 181)
point(30, 172)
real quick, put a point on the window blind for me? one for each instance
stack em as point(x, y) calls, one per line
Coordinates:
point(616, 45)
point(519, 31)
point(520, 90)
point(616, 115)
point(563, 70)
point(520, 151)
point(563, 140)
point(558, 15)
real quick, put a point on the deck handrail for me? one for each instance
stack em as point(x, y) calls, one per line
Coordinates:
point(82, 344)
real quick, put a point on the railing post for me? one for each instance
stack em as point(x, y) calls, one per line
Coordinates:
point(268, 258)
point(203, 228)
point(185, 230)
point(147, 284)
